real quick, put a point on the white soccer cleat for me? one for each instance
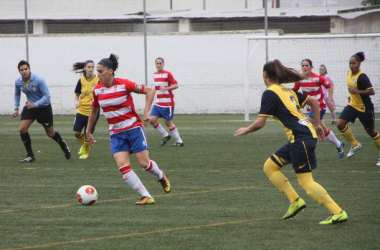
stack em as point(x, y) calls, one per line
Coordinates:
point(378, 163)
point(354, 149)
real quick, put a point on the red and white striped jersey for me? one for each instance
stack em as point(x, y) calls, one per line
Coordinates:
point(117, 104)
point(312, 87)
point(164, 79)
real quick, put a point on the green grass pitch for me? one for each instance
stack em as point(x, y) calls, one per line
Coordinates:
point(221, 198)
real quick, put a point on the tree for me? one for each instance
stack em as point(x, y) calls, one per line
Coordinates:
point(370, 2)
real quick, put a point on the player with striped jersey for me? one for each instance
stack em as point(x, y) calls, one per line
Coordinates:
point(164, 84)
point(312, 86)
point(113, 95)
point(284, 105)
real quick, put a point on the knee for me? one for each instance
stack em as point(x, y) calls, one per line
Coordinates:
point(270, 167)
point(340, 125)
point(23, 130)
point(144, 163)
point(77, 134)
point(371, 132)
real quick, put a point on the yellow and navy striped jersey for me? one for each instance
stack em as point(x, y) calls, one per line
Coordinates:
point(85, 88)
point(360, 81)
point(285, 105)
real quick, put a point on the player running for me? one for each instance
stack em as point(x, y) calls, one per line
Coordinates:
point(164, 84)
point(312, 86)
point(284, 105)
point(323, 72)
point(113, 95)
point(83, 100)
point(359, 106)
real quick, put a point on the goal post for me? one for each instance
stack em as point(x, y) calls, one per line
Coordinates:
point(333, 51)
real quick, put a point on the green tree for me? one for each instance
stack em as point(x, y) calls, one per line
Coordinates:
point(370, 2)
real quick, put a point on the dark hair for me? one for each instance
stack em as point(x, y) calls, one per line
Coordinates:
point(110, 62)
point(23, 62)
point(308, 60)
point(78, 67)
point(322, 65)
point(279, 73)
point(359, 56)
point(160, 58)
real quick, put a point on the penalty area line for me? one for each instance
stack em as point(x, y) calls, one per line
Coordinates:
point(160, 231)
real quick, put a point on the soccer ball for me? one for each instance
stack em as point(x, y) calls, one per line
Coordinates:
point(87, 195)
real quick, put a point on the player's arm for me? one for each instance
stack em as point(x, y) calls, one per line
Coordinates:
point(314, 104)
point(256, 125)
point(365, 86)
point(149, 92)
point(77, 92)
point(330, 103)
point(168, 88)
point(90, 123)
point(17, 98)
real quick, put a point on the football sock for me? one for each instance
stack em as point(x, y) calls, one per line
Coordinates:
point(317, 192)
point(25, 138)
point(173, 129)
point(376, 141)
point(160, 129)
point(272, 170)
point(86, 148)
point(347, 133)
point(154, 169)
point(81, 139)
point(130, 177)
point(330, 136)
point(57, 137)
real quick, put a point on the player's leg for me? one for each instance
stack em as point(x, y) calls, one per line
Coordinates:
point(79, 124)
point(168, 117)
point(349, 114)
point(120, 150)
point(368, 121)
point(333, 114)
point(272, 169)
point(154, 115)
point(25, 123)
point(44, 116)
point(140, 149)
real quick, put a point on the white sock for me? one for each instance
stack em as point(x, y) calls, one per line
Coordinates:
point(330, 136)
point(160, 129)
point(131, 178)
point(154, 169)
point(173, 129)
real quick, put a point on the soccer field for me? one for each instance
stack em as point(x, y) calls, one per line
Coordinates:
point(221, 198)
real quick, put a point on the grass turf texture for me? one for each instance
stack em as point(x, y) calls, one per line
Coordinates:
point(221, 198)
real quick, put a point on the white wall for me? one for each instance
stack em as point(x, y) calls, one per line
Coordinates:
point(209, 67)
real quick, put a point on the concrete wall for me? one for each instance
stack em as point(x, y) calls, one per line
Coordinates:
point(210, 67)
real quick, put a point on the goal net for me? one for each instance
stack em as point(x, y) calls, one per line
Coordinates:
point(333, 51)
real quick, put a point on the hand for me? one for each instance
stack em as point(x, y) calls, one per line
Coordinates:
point(241, 131)
point(77, 104)
point(90, 139)
point(30, 105)
point(163, 89)
point(146, 120)
point(320, 132)
point(353, 90)
point(15, 113)
point(331, 105)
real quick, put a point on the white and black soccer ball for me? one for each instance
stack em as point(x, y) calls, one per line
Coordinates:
point(87, 195)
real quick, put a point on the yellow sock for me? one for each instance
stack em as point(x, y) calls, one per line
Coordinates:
point(81, 139)
point(376, 141)
point(272, 170)
point(317, 192)
point(86, 148)
point(347, 133)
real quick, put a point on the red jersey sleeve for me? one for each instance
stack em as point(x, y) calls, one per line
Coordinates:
point(133, 87)
point(297, 86)
point(323, 81)
point(95, 101)
point(171, 79)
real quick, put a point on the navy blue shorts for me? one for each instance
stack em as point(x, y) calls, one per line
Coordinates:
point(43, 115)
point(163, 112)
point(80, 123)
point(366, 118)
point(321, 114)
point(132, 140)
point(301, 154)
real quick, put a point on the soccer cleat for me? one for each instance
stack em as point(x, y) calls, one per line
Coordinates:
point(165, 183)
point(146, 200)
point(353, 150)
point(378, 163)
point(341, 150)
point(80, 151)
point(335, 219)
point(295, 208)
point(165, 140)
point(84, 156)
point(66, 150)
point(28, 159)
point(178, 144)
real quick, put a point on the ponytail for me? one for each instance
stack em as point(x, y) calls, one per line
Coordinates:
point(78, 67)
point(281, 74)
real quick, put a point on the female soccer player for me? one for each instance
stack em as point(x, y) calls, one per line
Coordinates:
point(113, 95)
point(284, 105)
point(312, 86)
point(359, 106)
point(37, 107)
point(83, 100)
point(164, 84)
point(323, 72)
